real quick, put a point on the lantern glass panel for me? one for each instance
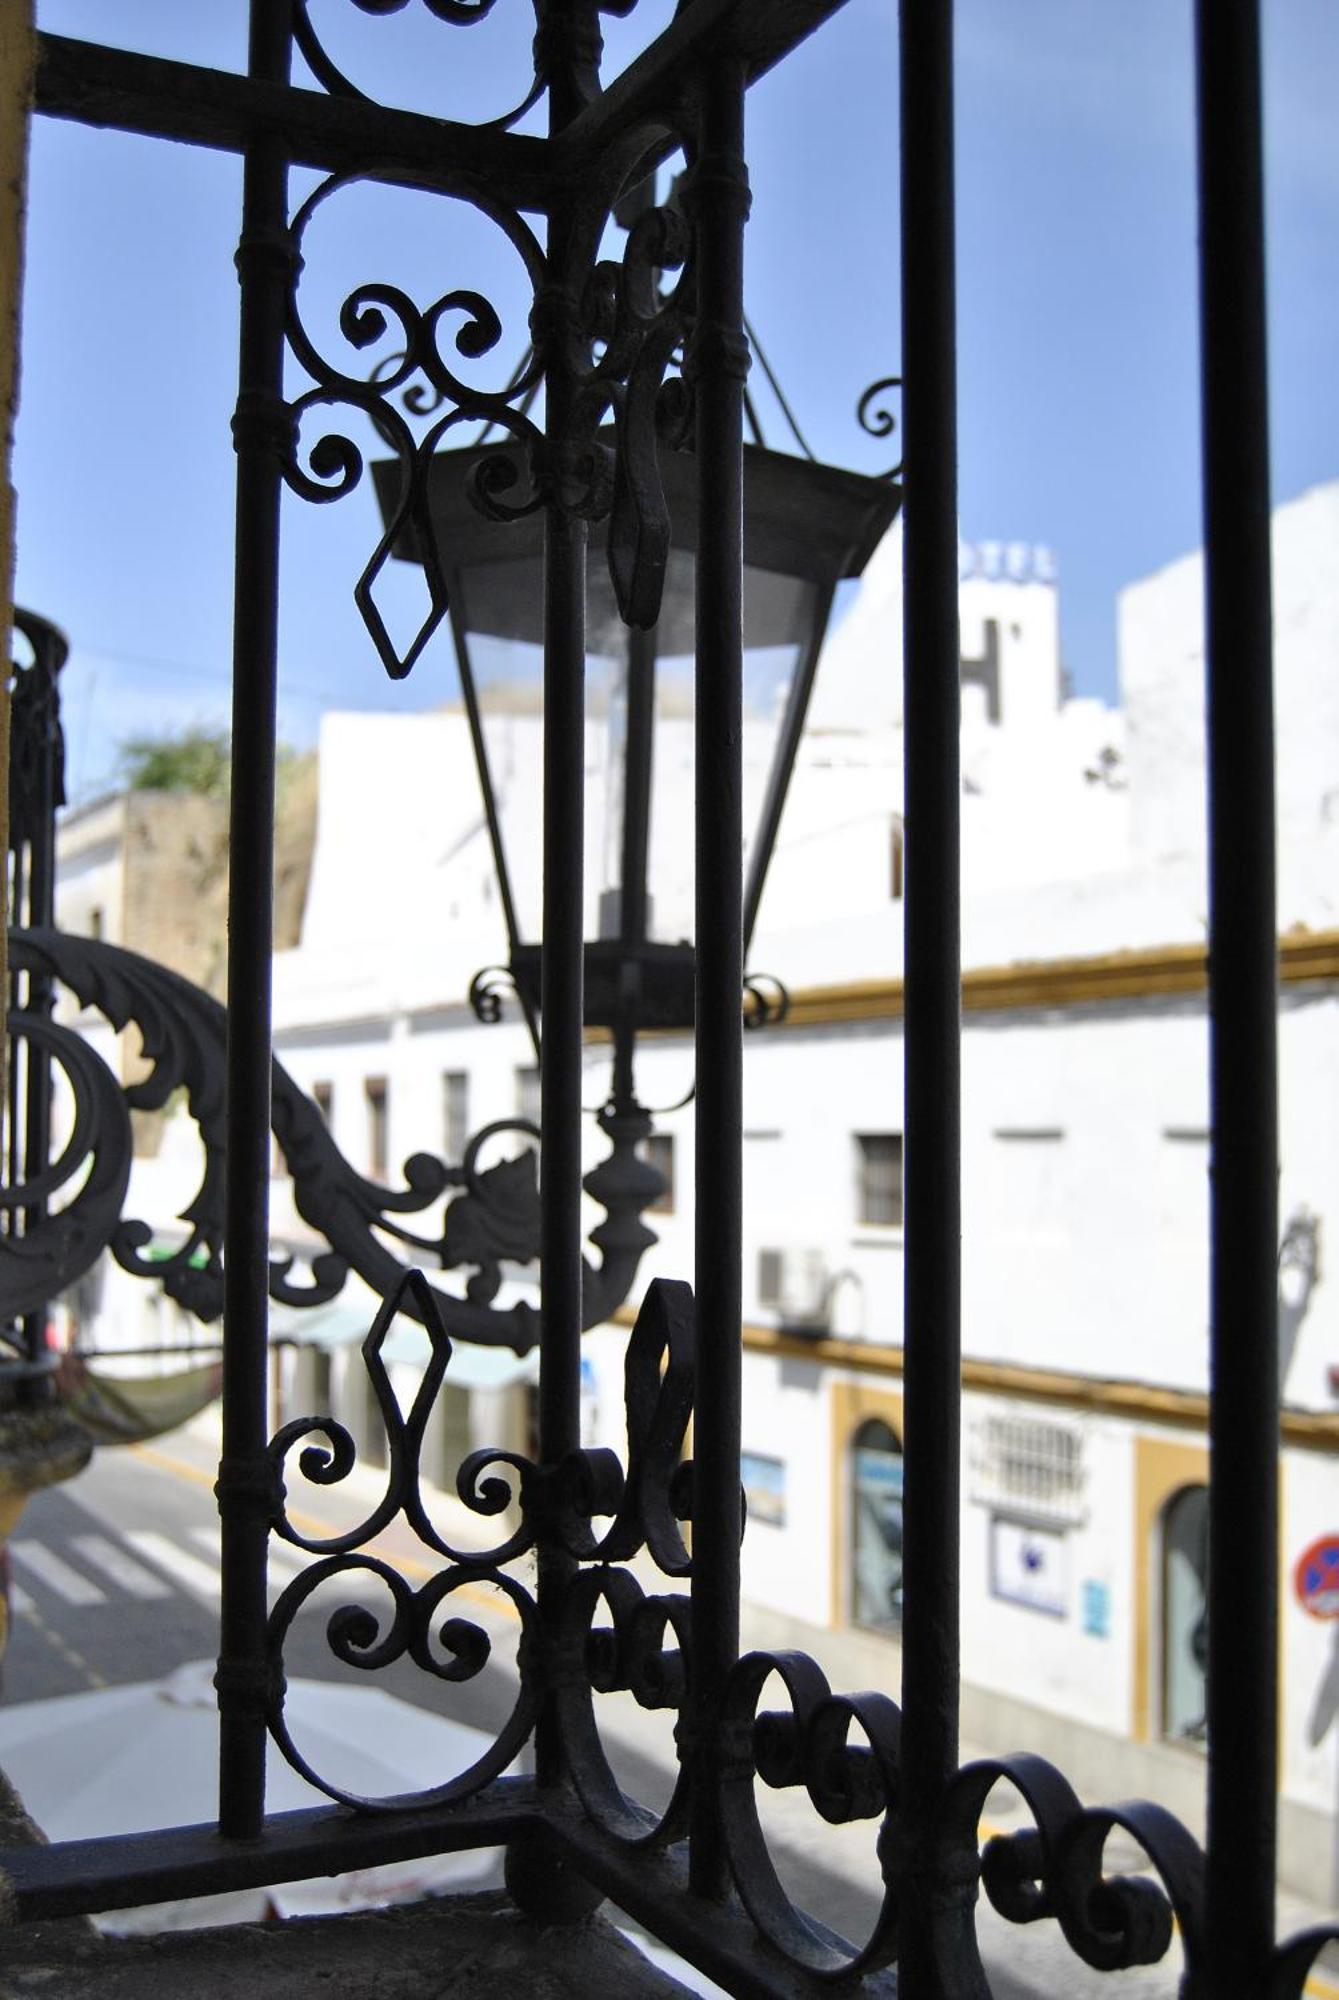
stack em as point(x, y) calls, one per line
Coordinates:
point(806, 526)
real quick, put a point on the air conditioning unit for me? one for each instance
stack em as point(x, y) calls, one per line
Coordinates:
point(795, 1284)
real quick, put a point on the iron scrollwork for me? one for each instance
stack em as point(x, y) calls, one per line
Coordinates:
point(647, 1646)
point(766, 1001)
point(490, 1216)
point(408, 384)
point(842, 1751)
point(876, 419)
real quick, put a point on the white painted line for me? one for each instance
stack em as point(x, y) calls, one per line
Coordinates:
point(56, 1573)
point(282, 1555)
point(19, 1599)
point(121, 1567)
point(200, 1578)
point(285, 1562)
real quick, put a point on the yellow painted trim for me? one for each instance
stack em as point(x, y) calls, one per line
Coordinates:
point(1062, 982)
point(1162, 1467)
point(851, 1404)
point(1305, 957)
point(1139, 1401)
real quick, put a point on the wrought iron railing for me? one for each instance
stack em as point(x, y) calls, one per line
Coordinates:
point(605, 341)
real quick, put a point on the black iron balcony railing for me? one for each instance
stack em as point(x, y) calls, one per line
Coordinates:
point(667, 367)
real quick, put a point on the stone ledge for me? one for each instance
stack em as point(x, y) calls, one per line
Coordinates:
point(465, 1947)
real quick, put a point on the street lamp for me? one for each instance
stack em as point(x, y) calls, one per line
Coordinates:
point(807, 526)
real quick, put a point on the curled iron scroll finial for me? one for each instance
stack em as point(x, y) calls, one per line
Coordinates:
point(490, 989)
point(876, 419)
point(766, 1001)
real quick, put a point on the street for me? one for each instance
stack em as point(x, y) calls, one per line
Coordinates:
point(116, 1580)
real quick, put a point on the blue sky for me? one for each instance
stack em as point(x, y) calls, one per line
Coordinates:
point(1077, 304)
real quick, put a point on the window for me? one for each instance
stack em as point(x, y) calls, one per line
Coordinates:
point(879, 1179)
point(378, 1152)
point(1030, 1467)
point(323, 1097)
point(455, 1113)
point(896, 861)
point(1185, 1618)
point(769, 1277)
point(528, 1094)
point(876, 1527)
point(658, 1152)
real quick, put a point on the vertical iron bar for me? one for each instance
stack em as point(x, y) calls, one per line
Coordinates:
point(562, 996)
point(262, 430)
point(1243, 976)
point(40, 997)
point(36, 772)
point(932, 1334)
point(717, 359)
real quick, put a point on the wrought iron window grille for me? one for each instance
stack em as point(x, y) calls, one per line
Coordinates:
point(605, 337)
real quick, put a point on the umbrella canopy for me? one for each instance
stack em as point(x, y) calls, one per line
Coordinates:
point(125, 1759)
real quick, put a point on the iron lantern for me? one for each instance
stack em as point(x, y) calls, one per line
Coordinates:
point(807, 527)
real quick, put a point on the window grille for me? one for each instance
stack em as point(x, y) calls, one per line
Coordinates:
point(1030, 1466)
point(701, 1875)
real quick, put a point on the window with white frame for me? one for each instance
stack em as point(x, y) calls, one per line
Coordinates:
point(658, 1152)
point(376, 1092)
point(879, 1179)
point(455, 1113)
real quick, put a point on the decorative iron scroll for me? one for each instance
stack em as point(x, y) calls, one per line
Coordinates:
point(614, 331)
point(842, 1751)
point(491, 1214)
point(874, 416)
point(553, 52)
point(555, 1506)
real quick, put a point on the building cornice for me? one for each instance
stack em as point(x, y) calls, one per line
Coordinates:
point(1140, 1402)
point(1150, 973)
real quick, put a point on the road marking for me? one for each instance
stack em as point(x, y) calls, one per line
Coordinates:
point(1322, 1988)
point(200, 1578)
point(283, 1555)
point(57, 1574)
point(55, 1641)
point(309, 1524)
point(121, 1567)
point(182, 1467)
point(19, 1600)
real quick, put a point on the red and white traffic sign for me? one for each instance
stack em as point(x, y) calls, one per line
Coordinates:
point(1316, 1578)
